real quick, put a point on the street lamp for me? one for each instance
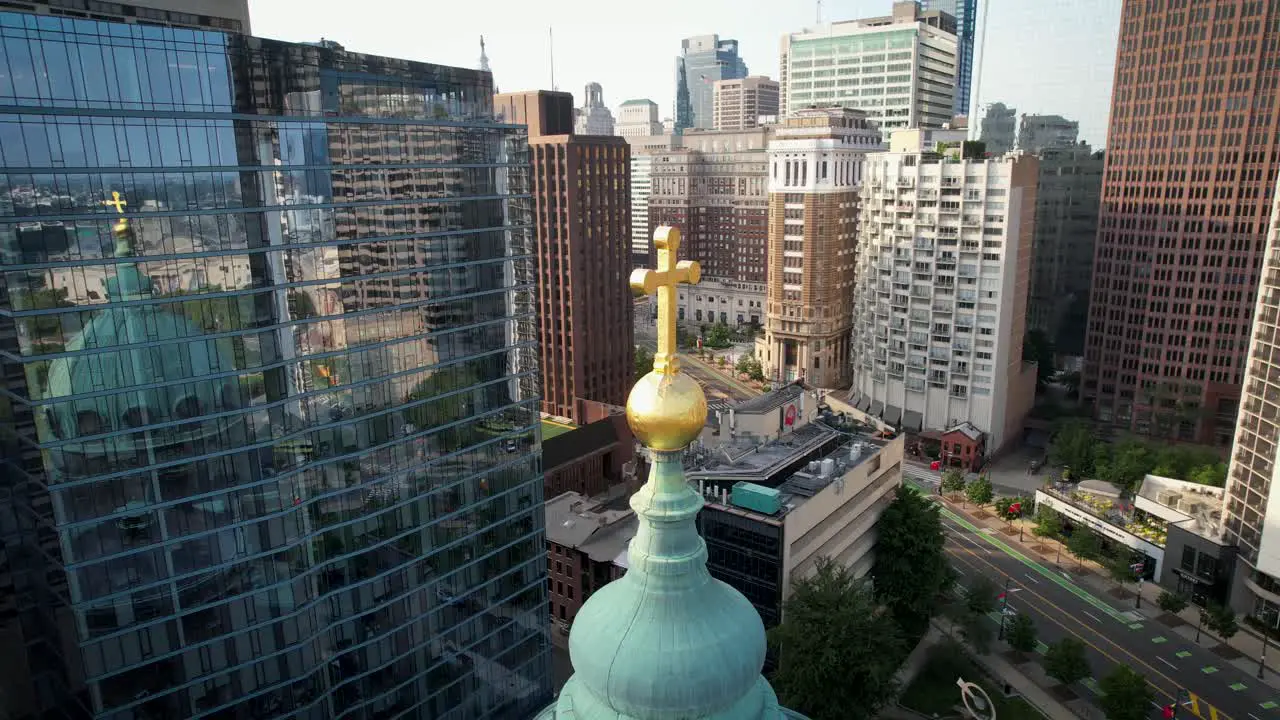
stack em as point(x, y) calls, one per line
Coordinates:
point(1199, 624)
point(1004, 607)
point(1266, 635)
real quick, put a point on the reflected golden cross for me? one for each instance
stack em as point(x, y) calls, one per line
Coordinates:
point(663, 281)
point(118, 203)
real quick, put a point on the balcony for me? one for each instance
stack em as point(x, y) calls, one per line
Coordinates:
point(960, 369)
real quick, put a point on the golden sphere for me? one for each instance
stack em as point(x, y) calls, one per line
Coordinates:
point(666, 412)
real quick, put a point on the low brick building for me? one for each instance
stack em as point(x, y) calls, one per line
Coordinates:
point(964, 446)
point(586, 541)
point(590, 459)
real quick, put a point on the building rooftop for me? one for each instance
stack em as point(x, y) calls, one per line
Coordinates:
point(601, 527)
point(568, 446)
point(639, 101)
point(798, 465)
point(770, 400)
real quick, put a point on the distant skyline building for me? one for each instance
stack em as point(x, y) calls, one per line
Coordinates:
point(1186, 202)
point(998, 128)
point(740, 103)
point(703, 60)
point(1252, 481)
point(900, 69)
point(582, 225)
point(715, 188)
point(941, 304)
point(966, 14)
point(638, 117)
point(1040, 132)
point(1067, 202)
point(815, 169)
point(248, 402)
point(593, 118)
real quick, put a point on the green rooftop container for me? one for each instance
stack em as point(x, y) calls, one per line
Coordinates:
point(756, 497)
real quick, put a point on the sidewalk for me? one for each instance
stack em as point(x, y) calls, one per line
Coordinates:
point(1091, 576)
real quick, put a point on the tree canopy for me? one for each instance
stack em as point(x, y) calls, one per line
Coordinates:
point(1127, 462)
point(644, 361)
point(718, 336)
point(953, 480)
point(1126, 694)
point(911, 573)
point(838, 649)
point(979, 491)
point(1072, 446)
point(1066, 662)
point(1021, 634)
point(1084, 544)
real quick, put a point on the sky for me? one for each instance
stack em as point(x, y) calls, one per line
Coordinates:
point(1042, 56)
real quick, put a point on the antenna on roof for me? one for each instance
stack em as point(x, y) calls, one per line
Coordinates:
point(551, 48)
point(819, 12)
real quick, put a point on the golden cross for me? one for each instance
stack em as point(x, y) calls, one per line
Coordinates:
point(663, 281)
point(118, 204)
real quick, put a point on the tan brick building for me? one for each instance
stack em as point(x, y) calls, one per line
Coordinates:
point(815, 168)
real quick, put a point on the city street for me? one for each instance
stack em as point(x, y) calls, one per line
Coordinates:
point(1112, 630)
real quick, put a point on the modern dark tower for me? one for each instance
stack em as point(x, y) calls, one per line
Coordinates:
point(703, 60)
point(966, 14)
point(1192, 155)
point(270, 398)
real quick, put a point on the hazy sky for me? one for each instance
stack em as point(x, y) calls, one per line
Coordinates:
point(1042, 56)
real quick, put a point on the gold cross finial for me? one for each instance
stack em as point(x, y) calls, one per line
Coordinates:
point(118, 203)
point(663, 281)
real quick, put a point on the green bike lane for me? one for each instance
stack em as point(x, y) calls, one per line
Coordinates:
point(1219, 689)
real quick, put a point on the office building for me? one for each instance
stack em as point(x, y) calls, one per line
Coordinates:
point(703, 60)
point(899, 69)
point(1067, 200)
point(591, 459)
point(628, 661)
point(1251, 476)
point(998, 128)
point(638, 117)
point(1041, 132)
point(643, 148)
point(593, 118)
point(815, 169)
point(586, 547)
point(740, 103)
point(223, 15)
point(582, 218)
point(966, 14)
point(784, 492)
point(715, 189)
point(941, 304)
point(265, 416)
point(1186, 198)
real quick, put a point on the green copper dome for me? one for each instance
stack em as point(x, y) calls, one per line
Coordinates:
point(111, 354)
point(667, 641)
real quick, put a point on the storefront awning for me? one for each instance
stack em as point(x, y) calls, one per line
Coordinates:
point(892, 414)
point(912, 420)
point(877, 407)
point(864, 404)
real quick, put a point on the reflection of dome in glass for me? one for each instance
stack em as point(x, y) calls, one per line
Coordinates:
point(183, 355)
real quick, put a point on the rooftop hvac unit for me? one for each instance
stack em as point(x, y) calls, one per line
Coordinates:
point(828, 466)
point(855, 452)
point(1168, 498)
point(812, 467)
point(1191, 507)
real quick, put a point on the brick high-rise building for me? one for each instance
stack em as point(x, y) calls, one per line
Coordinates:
point(582, 218)
point(740, 102)
point(1192, 156)
point(815, 168)
point(716, 190)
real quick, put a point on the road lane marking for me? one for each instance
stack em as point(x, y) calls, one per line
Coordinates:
point(1194, 699)
point(1237, 686)
point(1095, 617)
point(1135, 626)
point(1166, 662)
point(1208, 669)
point(1183, 653)
point(1032, 579)
point(1255, 717)
point(1268, 705)
point(1159, 639)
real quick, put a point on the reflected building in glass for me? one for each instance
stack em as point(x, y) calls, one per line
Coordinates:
point(268, 422)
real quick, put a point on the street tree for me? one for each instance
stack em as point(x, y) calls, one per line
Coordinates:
point(718, 336)
point(953, 480)
point(979, 491)
point(1072, 446)
point(911, 573)
point(1084, 544)
point(1065, 661)
point(644, 361)
point(1222, 621)
point(838, 648)
point(1172, 602)
point(1119, 568)
point(1124, 464)
point(1048, 524)
point(1021, 634)
point(1126, 695)
point(969, 612)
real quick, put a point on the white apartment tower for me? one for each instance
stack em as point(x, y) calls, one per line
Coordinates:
point(815, 167)
point(940, 307)
point(1253, 478)
point(899, 69)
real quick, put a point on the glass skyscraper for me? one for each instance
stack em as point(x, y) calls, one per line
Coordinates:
point(268, 419)
point(966, 15)
point(703, 60)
